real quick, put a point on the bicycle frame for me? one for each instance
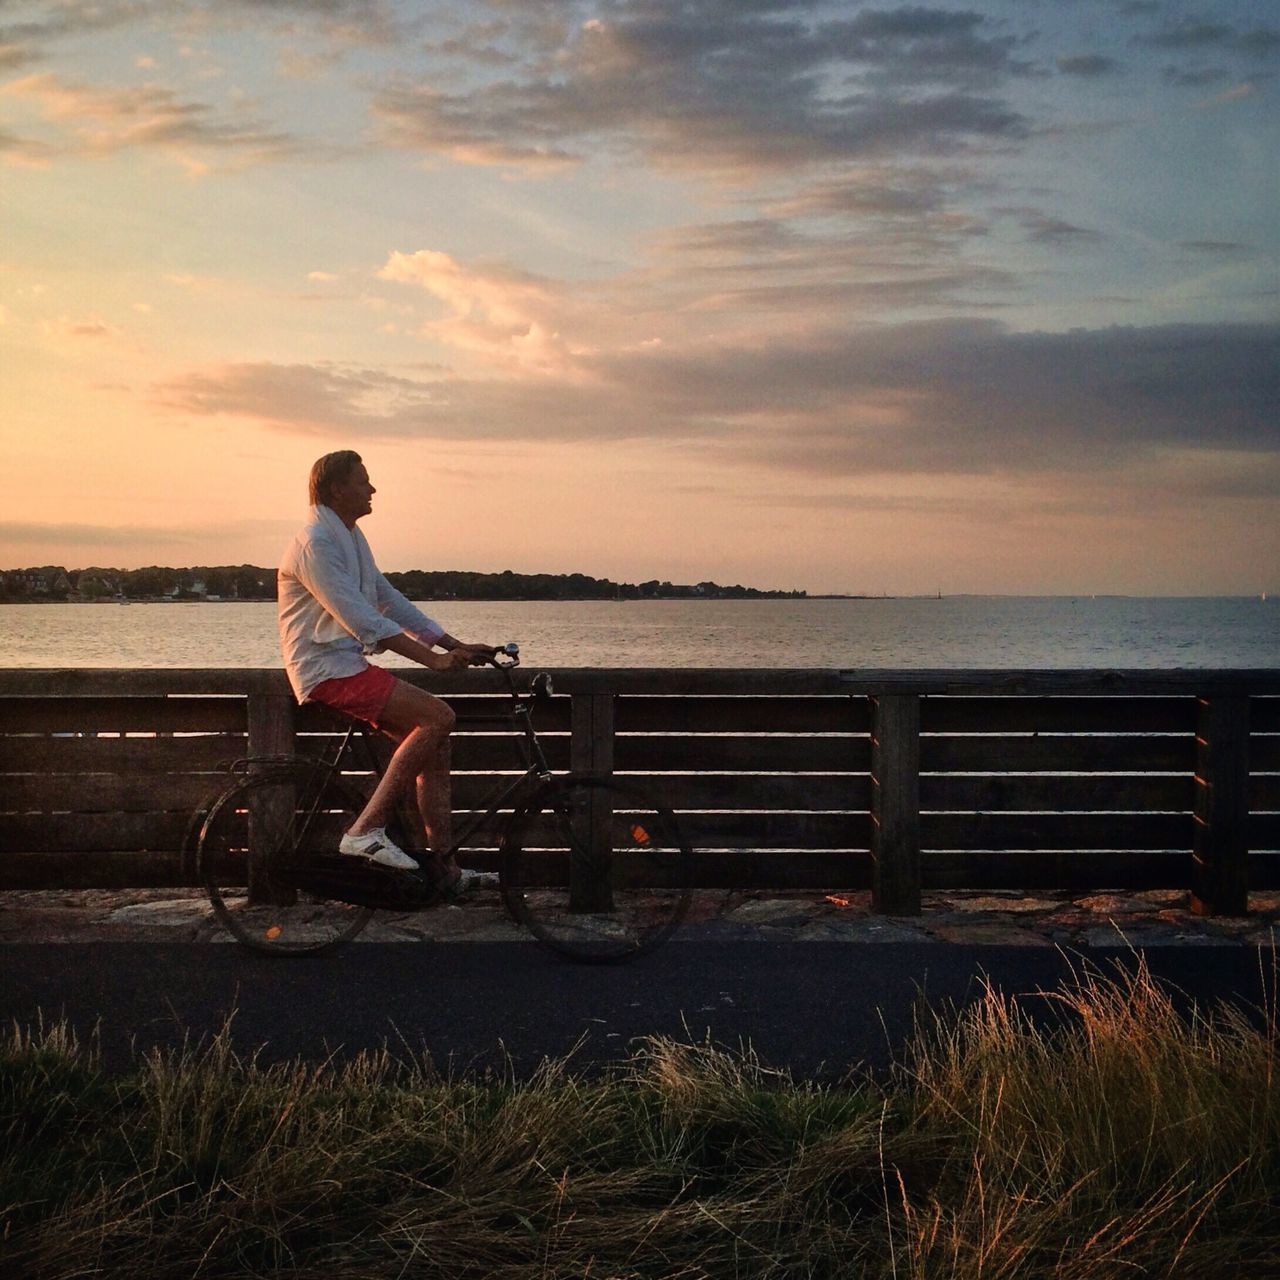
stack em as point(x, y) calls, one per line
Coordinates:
point(266, 847)
point(520, 714)
point(537, 767)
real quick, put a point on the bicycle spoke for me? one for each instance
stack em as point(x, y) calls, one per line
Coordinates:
point(257, 847)
point(596, 872)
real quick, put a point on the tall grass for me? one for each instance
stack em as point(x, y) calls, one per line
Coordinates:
point(1125, 1139)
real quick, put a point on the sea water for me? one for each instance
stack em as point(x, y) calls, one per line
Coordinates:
point(909, 633)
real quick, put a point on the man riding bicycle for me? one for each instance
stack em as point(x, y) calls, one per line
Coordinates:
point(336, 608)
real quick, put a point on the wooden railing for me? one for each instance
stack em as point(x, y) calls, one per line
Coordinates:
point(897, 781)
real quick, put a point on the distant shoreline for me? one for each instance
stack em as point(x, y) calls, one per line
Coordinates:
point(55, 584)
point(755, 599)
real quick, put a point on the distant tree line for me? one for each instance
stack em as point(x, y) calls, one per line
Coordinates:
point(215, 582)
point(249, 582)
point(458, 584)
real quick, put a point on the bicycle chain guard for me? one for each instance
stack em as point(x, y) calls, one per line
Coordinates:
point(365, 884)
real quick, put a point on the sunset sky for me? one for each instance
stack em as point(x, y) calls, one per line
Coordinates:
point(975, 296)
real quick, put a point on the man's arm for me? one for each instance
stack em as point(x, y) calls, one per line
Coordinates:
point(478, 652)
point(408, 646)
point(396, 606)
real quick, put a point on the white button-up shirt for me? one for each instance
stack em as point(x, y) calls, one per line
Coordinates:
point(335, 607)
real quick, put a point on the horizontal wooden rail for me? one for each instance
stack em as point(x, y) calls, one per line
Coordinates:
point(896, 781)
point(668, 681)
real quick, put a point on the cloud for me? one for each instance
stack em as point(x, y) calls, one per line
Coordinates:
point(1221, 40)
point(941, 398)
point(1237, 92)
point(1043, 228)
point(1088, 65)
point(103, 120)
point(1261, 42)
point(495, 310)
point(79, 17)
point(743, 253)
point(358, 20)
point(1222, 248)
point(187, 280)
point(65, 326)
point(752, 268)
point(1193, 33)
point(972, 396)
point(24, 151)
point(304, 398)
point(1194, 77)
point(323, 400)
point(345, 10)
point(14, 55)
point(65, 534)
point(718, 85)
point(342, 24)
point(1189, 34)
point(884, 191)
point(742, 276)
point(917, 44)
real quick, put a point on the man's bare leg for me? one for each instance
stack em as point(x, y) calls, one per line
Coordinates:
point(422, 723)
point(435, 799)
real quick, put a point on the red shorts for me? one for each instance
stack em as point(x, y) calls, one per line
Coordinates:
point(363, 696)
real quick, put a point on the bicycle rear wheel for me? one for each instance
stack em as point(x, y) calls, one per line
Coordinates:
point(595, 870)
point(263, 854)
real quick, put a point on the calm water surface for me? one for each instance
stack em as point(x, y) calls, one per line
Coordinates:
point(959, 631)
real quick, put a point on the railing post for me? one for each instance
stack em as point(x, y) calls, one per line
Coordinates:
point(270, 724)
point(1220, 858)
point(271, 718)
point(895, 804)
point(591, 751)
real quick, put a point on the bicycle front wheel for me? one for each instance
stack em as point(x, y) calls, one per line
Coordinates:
point(595, 870)
point(262, 854)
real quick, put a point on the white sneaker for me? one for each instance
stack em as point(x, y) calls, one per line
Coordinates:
point(378, 847)
point(468, 881)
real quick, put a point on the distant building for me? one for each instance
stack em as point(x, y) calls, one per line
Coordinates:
point(95, 584)
point(48, 580)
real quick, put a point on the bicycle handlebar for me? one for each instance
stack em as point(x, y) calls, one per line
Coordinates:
point(510, 651)
point(539, 687)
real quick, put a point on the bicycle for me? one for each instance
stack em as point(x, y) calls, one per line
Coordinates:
point(589, 864)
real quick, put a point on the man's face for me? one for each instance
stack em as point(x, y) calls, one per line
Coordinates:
point(353, 497)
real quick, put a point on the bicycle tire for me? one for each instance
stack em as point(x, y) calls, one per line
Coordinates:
point(294, 815)
point(595, 870)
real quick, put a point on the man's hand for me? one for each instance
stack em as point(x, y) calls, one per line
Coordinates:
point(476, 655)
point(451, 660)
point(410, 647)
point(454, 659)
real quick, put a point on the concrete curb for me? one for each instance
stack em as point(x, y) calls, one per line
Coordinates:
point(1091, 922)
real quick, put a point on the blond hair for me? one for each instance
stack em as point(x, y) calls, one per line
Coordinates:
point(330, 470)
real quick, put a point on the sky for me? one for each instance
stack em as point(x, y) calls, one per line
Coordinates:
point(853, 298)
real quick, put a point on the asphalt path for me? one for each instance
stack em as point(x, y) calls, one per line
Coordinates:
point(820, 1009)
